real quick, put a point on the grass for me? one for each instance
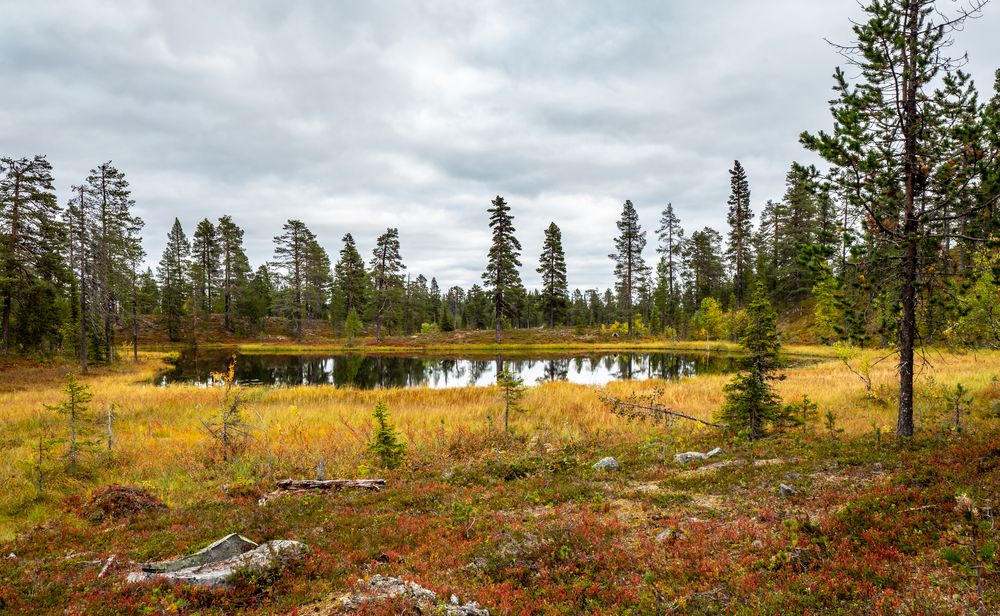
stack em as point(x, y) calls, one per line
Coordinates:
point(509, 520)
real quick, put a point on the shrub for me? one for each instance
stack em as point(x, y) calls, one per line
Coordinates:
point(385, 444)
point(751, 400)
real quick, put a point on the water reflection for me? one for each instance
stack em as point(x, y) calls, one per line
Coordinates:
point(375, 371)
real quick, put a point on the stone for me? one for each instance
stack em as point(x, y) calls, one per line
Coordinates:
point(689, 456)
point(786, 490)
point(216, 564)
point(667, 534)
point(380, 588)
point(714, 452)
point(223, 549)
point(607, 464)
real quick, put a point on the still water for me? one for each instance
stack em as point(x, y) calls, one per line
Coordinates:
point(371, 371)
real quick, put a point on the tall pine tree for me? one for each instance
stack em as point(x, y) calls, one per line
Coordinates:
point(906, 152)
point(502, 278)
point(173, 278)
point(740, 219)
point(630, 267)
point(552, 267)
point(386, 276)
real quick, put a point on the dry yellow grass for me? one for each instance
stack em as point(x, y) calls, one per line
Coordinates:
point(160, 442)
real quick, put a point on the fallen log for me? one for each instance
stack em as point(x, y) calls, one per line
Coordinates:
point(331, 484)
point(300, 486)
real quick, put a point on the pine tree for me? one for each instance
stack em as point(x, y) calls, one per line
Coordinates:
point(318, 281)
point(671, 248)
point(31, 241)
point(386, 277)
point(114, 231)
point(501, 277)
point(76, 218)
point(172, 275)
point(904, 149)
point(630, 268)
point(351, 277)
point(751, 401)
point(740, 219)
point(704, 271)
point(234, 267)
point(292, 250)
point(205, 265)
point(552, 267)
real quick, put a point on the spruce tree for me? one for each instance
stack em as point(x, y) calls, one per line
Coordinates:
point(172, 274)
point(630, 268)
point(501, 277)
point(740, 219)
point(386, 277)
point(751, 400)
point(31, 235)
point(552, 267)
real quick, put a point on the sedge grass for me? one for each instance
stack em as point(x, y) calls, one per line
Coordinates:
point(159, 441)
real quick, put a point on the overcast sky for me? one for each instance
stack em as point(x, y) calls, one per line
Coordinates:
point(355, 116)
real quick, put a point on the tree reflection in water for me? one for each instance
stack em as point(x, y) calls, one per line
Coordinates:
point(380, 371)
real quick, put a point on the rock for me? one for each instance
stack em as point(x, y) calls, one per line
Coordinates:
point(689, 456)
point(215, 564)
point(667, 534)
point(714, 452)
point(786, 490)
point(380, 588)
point(714, 466)
point(607, 464)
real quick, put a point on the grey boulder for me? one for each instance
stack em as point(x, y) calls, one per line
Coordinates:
point(216, 564)
point(607, 464)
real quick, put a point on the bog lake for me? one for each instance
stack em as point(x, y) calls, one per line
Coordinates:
point(380, 370)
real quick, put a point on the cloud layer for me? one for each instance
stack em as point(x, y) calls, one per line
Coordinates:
point(354, 116)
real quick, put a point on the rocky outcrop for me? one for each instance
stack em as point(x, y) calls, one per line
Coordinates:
point(216, 564)
point(380, 588)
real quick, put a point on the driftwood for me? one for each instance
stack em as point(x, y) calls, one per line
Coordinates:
point(633, 409)
point(299, 486)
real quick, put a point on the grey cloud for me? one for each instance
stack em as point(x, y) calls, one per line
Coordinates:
point(354, 116)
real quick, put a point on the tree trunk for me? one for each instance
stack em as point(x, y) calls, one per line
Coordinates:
point(11, 252)
point(908, 322)
point(83, 289)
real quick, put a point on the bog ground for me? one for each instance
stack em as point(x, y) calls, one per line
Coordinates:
point(519, 522)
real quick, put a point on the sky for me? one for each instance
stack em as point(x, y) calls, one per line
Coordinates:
point(354, 116)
